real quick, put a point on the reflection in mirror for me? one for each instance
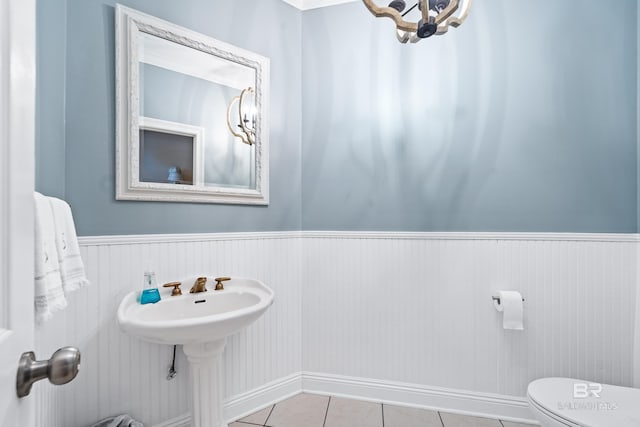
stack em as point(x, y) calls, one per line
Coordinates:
point(241, 116)
point(169, 149)
point(179, 88)
point(183, 85)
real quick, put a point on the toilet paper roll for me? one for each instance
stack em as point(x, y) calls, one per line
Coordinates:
point(512, 309)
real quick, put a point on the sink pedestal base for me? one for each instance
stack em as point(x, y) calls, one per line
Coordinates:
point(205, 371)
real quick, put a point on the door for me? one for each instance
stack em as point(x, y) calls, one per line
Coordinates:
point(17, 129)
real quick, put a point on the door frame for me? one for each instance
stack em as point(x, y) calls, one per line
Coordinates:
point(17, 176)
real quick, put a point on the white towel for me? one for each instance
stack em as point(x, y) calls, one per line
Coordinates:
point(49, 295)
point(119, 421)
point(71, 266)
point(58, 265)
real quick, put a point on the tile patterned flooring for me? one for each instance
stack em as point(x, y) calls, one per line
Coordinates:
point(310, 410)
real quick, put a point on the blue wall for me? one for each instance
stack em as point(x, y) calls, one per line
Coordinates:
point(522, 119)
point(51, 24)
point(508, 123)
point(268, 27)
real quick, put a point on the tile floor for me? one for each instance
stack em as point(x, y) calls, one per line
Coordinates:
point(310, 410)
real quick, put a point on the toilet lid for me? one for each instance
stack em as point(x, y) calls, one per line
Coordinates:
point(586, 403)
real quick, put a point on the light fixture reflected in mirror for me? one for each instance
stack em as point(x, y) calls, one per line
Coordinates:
point(433, 17)
point(244, 124)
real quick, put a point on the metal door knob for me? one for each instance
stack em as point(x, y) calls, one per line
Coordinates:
point(60, 369)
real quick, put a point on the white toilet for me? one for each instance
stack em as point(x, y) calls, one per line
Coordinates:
point(561, 402)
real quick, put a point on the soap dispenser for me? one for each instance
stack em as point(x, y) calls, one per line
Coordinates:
point(149, 294)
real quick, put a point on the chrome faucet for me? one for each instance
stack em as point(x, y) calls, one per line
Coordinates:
point(199, 286)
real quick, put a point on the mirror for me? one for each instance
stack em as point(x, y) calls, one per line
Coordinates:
point(191, 115)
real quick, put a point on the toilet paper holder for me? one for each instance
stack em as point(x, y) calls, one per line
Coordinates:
point(497, 299)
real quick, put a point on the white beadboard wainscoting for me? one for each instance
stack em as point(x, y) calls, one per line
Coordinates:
point(412, 310)
point(393, 317)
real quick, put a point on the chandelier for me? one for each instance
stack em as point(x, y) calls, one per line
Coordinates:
point(432, 17)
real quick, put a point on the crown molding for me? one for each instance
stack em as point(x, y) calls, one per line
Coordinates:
point(315, 4)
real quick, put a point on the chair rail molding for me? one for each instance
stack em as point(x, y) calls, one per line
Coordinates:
point(380, 235)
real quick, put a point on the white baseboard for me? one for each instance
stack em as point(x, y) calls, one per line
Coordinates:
point(244, 404)
point(506, 408)
point(181, 421)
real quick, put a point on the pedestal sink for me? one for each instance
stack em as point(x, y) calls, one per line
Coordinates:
point(200, 323)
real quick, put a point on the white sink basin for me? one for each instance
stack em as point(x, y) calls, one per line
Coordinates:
point(200, 322)
point(195, 318)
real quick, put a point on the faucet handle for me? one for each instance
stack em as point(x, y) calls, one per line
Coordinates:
point(219, 280)
point(176, 288)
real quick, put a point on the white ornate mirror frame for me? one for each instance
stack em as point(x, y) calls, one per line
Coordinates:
point(129, 26)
